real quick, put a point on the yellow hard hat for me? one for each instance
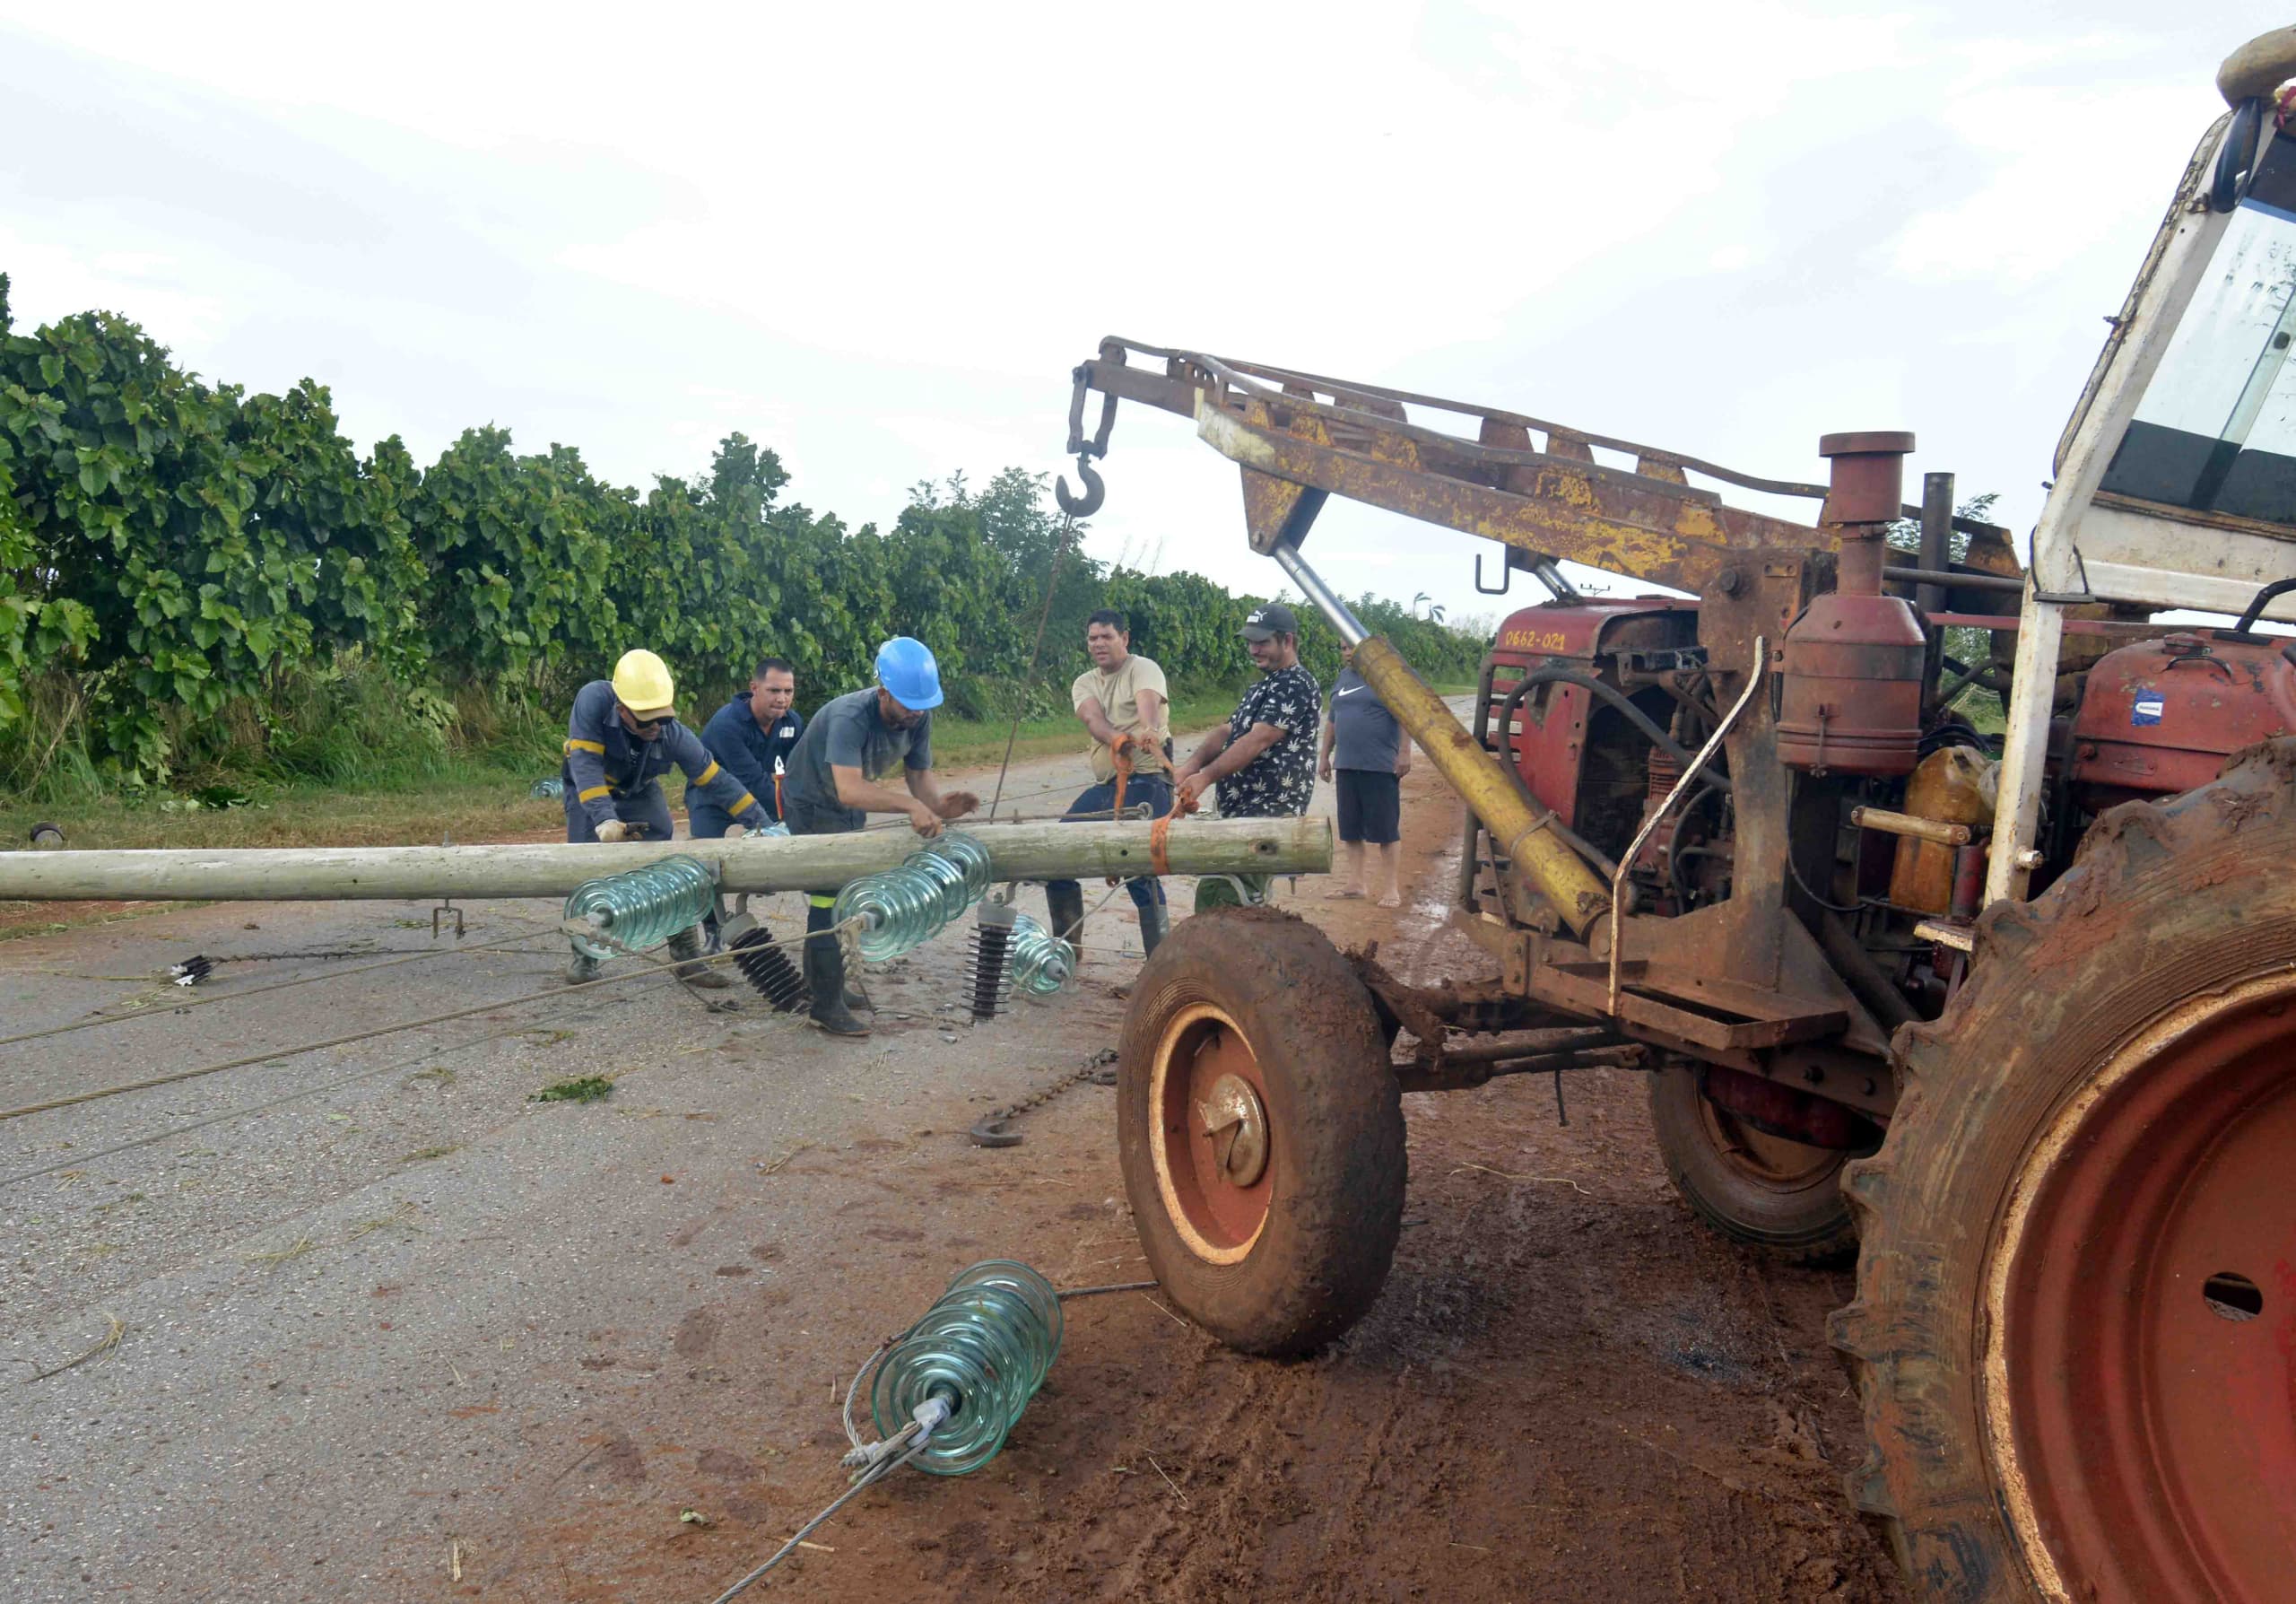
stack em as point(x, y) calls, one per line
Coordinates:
point(641, 683)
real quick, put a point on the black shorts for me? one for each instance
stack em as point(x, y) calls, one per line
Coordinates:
point(1370, 806)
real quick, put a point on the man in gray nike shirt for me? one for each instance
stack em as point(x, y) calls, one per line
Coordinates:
point(1366, 756)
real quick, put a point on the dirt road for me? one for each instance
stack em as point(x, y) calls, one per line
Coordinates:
point(406, 1335)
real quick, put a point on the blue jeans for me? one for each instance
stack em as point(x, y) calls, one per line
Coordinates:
point(1156, 790)
point(649, 807)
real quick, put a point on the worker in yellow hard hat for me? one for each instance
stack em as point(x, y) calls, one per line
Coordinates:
point(623, 736)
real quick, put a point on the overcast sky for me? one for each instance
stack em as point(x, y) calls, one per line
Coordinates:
point(877, 237)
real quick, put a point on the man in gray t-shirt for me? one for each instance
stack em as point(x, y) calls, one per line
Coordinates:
point(1366, 754)
point(837, 777)
point(852, 732)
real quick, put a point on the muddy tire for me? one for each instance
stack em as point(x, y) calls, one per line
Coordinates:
point(2074, 1302)
point(1780, 1197)
point(1260, 1131)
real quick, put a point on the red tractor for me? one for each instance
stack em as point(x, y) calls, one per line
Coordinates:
point(2011, 1017)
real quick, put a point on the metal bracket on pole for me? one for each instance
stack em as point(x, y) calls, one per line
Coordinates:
point(446, 904)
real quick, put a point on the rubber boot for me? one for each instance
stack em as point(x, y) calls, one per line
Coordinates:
point(1153, 924)
point(581, 968)
point(685, 948)
point(825, 979)
point(1064, 901)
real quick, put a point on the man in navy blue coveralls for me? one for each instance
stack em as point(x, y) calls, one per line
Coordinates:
point(752, 737)
point(622, 736)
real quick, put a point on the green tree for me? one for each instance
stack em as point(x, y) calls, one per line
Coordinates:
point(518, 550)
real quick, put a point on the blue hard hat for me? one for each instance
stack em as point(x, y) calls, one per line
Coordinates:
point(906, 669)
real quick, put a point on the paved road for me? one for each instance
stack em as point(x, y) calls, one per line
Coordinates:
point(353, 1281)
point(393, 1332)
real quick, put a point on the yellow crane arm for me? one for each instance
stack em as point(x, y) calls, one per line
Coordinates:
point(1300, 438)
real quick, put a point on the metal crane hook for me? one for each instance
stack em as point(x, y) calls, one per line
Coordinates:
point(1095, 491)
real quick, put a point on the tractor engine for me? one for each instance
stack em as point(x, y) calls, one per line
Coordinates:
point(1572, 694)
point(1592, 703)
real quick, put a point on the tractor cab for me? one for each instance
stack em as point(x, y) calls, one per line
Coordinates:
point(2175, 488)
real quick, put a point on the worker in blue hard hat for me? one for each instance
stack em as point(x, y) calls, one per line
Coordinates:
point(623, 736)
point(836, 779)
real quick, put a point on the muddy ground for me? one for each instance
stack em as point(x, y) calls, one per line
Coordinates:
point(390, 1332)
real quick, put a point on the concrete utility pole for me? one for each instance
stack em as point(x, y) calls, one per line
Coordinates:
point(1040, 851)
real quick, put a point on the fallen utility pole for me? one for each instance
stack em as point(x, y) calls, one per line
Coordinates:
point(1037, 851)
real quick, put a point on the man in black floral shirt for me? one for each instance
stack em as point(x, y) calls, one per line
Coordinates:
point(1264, 759)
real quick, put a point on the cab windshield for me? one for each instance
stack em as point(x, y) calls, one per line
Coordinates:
point(2216, 430)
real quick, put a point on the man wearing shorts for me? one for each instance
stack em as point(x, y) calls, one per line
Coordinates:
point(1365, 755)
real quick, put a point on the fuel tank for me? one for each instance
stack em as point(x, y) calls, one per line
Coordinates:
point(2160, 717)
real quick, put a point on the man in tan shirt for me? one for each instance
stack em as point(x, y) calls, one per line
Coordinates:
point(1122, 703)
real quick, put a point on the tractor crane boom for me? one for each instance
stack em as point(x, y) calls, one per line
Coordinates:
point(1301, 438)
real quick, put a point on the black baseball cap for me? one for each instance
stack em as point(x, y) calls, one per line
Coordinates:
point(1273, 619)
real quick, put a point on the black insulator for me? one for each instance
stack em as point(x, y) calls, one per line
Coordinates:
point(766, 966)
point(990, 988)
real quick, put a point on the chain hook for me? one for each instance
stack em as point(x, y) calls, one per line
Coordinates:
point(1085, 448)
point(1095, 491)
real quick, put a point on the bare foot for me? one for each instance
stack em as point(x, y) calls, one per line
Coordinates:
point(1391, 901)
point(1347, 890)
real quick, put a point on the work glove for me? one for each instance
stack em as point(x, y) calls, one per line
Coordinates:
point(735, 831)
point(614, 830)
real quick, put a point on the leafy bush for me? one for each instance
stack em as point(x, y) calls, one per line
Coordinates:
point(198, 581)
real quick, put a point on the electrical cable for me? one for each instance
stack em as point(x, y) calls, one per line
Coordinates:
point(78, 1159)
point(1093, 1292)
point(1051, 589)
point(868, 1479)
point(209, 1001)
point(25, 1110)
point(1860, 906)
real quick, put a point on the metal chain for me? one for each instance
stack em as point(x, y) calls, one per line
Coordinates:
point(993, 1129)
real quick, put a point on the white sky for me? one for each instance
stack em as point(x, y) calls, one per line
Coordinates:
point(877, 237)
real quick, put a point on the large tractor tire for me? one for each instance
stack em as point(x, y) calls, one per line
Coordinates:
point(1778, 1196)
point(2076, 1326)
point(1260, 1130)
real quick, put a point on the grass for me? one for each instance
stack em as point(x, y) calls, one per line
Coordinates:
point(115, 1328)
point(276, 1257)
point(402, 1214)
point(469, 797)
point(477, 798)
point(580, 1088)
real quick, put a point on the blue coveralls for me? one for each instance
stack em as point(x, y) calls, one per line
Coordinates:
point(753, 756)
point(611, 774)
